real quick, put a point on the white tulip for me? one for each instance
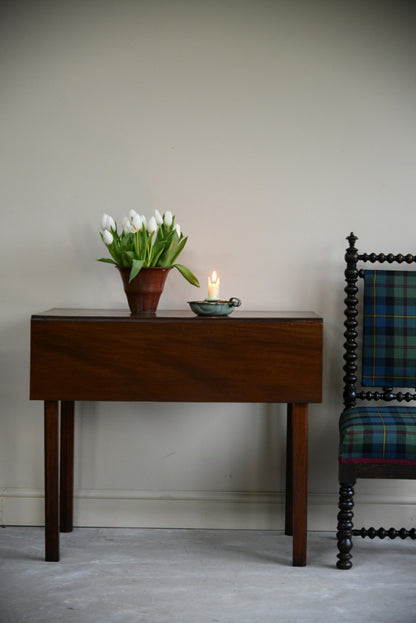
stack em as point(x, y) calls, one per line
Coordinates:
point(132, 214)
point(152, 225)
point(107, 222)
point(168, 218)
point(127, 226)
point(107, 237)
point(158, 217)
point(136, 222)
point(178, 230)
point(144, 220)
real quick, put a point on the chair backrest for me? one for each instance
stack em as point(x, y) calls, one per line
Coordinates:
point(388, 330)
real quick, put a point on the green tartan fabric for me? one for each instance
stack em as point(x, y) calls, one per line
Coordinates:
point(389, 339)
point(378, 435)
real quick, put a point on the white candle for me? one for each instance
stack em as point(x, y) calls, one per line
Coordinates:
point(213, 286)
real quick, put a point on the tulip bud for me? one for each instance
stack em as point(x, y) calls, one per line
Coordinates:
point(107, 237)
point(158, 217)
point(127, 227)
point(168, 218)
point(107, 222)
point(152, 225)
point(178, 230)
point(132, 214)
point(136, 222)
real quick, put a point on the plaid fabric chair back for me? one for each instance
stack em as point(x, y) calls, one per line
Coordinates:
point(389, 339)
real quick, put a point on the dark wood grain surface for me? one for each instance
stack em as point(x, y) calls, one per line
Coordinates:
point(264, 358)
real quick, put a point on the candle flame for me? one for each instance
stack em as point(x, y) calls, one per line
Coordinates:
point(214, 277)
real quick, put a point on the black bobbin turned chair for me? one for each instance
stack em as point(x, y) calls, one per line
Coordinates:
point(377, 432)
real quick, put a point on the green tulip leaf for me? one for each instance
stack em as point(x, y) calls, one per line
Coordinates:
point(135, 268)
point(188, 274)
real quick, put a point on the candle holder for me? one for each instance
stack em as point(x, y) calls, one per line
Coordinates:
point(214, 307)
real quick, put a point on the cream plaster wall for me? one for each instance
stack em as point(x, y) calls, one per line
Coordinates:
point(272, 129)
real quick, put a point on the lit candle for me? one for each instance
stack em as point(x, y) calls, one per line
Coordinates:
point(213, 286)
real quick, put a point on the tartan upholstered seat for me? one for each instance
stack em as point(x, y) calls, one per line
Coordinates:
point(377, 432)
point(378, 435)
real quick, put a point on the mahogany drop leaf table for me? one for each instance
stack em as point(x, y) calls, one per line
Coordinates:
point(98, 355)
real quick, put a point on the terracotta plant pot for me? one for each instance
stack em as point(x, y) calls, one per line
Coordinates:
point(143, 292)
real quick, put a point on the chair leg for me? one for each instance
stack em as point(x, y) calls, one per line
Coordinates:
point(345, 525)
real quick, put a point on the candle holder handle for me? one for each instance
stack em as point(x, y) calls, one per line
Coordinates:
point(234, 302)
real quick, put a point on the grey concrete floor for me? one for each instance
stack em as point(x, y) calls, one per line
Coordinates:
point(109, 575)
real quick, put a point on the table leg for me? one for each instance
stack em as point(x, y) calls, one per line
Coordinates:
point(300, 483)
point(289, 473)
point(51, 432)
point(67, 466)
